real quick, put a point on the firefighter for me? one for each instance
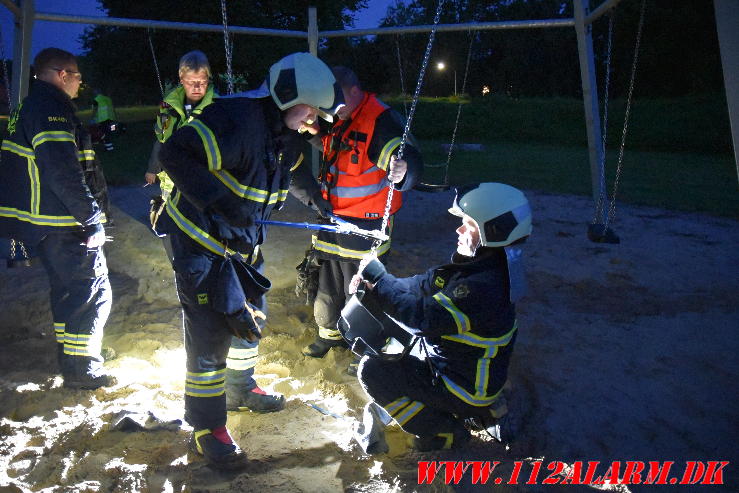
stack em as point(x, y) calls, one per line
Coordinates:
point(358, 166)
point(46, 202)
point(104, 118)
point(231, 167)
point(463, 314)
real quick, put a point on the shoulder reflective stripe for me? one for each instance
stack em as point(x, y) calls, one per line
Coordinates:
point(87, 155)
point(52, 136)
point(396, 405)
point(17, 149)
point(489, 344)
point(387, 150)
point(357, 192)
point(297, 163)
point(462, 321)
point(197, 234)
point(409, 413)
point(41, 220)
point(327, 247)
point(474, 400)
point(209, 143)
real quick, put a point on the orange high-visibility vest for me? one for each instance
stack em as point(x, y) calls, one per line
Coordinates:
point(354, 185)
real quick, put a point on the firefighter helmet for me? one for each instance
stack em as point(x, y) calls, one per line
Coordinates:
point(301, 78)
point(501, 211)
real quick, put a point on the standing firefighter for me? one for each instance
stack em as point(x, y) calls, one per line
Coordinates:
point(231, 167)
point(463, 315)
point(104, 118)
point(46, 202)
point(181, 106)
point(357, 169)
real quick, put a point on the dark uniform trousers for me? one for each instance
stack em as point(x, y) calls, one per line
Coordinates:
point(81, 299)
point(405, 390)
point(333, 288)
point(207, 336)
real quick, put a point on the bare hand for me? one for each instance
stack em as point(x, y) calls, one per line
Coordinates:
point(357, 279)
point(397, 169)
point(150, 178)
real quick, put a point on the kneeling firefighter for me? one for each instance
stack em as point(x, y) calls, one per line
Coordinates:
point(230, 168)
point(462, 315)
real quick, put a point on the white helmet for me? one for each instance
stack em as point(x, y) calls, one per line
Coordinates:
point(501, 211)
point(301, 78)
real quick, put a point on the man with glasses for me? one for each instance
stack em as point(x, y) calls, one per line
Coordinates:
point(47, 202)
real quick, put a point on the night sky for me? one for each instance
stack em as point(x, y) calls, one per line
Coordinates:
point(66, 35)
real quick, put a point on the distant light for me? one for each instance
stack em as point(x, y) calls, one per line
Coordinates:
point(485, 90)
point(441, 66)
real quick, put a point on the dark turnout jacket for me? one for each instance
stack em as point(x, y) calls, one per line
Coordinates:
point(42, 176)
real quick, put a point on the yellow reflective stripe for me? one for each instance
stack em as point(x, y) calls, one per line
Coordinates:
point(59, 332)
point(39, 219)
point(212, 152)
point(18, 149)
point(87, 155)
point(462, 320)
point(250, 193)
point(335, 249)
point(330, 334)
point(208, 376)
point(483, 376)
point(297, 163)
point(473, 400)
point(396, 405)
point(489, 344)
point(214, 392)
point(190, 229)
point(448, 440)
point(384, 160)
point(52, 136)
point(35, 185)
point(409, 413)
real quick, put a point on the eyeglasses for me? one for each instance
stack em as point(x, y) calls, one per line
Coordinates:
point(195, 83)
point(73, 72)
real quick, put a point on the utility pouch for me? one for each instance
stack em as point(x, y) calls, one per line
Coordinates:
point(306, 284)
point(238, 291)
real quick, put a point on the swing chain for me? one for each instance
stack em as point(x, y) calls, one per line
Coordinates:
point(459, 110)
point(156, 65)
point(629, 99)
point(604, 126)
point(229, 49)
point(400, 73)
point(406, 130)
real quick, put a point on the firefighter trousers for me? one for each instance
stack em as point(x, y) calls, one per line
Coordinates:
point(333, 288)
point(217, 361)
point(406, 391)
point(81, 299)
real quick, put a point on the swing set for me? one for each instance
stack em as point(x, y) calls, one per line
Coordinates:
point(582, 21)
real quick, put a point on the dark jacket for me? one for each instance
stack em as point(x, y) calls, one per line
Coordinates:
point(230, 167)
point(464, 316)
point(42, 179)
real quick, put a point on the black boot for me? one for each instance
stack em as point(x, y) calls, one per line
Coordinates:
point(255, 400)
point(219, 449)
point(320, 347)
point(442, 441)
point(88, 382)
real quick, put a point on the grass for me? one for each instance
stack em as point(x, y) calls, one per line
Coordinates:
point(678, 152)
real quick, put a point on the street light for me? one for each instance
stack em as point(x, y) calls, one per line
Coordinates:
point(440, 66)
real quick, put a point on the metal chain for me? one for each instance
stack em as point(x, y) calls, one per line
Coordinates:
point(604, 127)
point(629, 99)
point(229, 49)
point(402, 78)
point(406, 130)
point(156, 65)
point(459, 110)
point(23, 250)
point(12, 249)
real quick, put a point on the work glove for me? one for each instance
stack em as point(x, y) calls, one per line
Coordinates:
point(94, 235)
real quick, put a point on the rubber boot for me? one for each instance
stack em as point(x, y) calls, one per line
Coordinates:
point(320, 347)
point(256, 400)
point(87, 382)
point(218, 448)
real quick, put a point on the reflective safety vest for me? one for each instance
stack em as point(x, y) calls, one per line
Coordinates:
point(355, 186)
point(104, 110)
point(172, 116)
